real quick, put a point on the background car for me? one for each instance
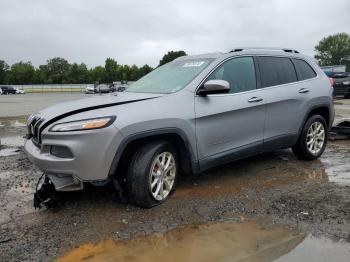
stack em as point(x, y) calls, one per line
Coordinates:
point(19, 91)
point(8, 90)
point(103, 88)
point(122, 87)
point(90, 89)
point(341, 84)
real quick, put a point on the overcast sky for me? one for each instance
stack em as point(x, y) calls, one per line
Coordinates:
point(140, 32)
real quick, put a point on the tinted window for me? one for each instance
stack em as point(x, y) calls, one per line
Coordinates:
point(304, 69)
point(239, 72)
point(276, 71)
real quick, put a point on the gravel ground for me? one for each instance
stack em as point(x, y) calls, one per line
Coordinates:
point(277, 189)
point(271, 189)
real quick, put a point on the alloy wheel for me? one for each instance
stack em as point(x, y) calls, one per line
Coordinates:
point(162, 175)
point(315, 138)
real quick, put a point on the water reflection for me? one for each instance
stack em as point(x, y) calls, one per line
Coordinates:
point(227, 241)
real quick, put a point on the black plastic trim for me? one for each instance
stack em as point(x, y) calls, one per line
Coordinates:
point(163, 131)
point(331, 118)
point(231, 155)
point(280, 142)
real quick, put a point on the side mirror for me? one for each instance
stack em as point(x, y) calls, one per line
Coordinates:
point(214, 87)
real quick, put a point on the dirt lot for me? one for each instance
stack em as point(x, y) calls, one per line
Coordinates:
point(268, 207)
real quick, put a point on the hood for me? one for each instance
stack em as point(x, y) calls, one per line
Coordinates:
point(61, 110)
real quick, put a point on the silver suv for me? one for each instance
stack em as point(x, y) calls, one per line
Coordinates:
point(187, 116)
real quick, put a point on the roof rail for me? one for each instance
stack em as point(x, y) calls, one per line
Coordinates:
point(288, 50)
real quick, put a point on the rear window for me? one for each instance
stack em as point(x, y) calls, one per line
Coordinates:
point(276, 71)
point(304, 69)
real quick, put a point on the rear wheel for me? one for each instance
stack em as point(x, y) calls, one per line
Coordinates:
point(313, 139)
point(152, 174)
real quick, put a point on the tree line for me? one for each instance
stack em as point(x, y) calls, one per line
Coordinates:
point(331, 50)
point(59, 71)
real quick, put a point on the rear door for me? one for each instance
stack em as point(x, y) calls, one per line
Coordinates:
point(285, 103)
point(231, 125)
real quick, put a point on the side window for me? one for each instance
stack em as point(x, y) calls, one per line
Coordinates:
point(276, 71)
point(239, 72)
point(304, 69)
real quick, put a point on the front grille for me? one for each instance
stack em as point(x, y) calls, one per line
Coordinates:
point(34, 130)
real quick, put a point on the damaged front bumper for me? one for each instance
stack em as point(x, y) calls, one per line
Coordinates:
point(73, 158)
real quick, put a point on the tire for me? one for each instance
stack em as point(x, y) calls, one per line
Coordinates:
point(315, 149)
point(139, 178)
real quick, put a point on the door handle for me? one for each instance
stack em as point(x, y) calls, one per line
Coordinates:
point(304, 91)
point(255, 99)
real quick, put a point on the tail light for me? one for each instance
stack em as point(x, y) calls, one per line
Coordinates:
point(331, 80)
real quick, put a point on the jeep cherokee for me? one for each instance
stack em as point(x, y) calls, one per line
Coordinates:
point(187, 116)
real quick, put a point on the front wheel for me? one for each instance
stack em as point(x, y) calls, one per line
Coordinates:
point(313, 139)
point(152, 174)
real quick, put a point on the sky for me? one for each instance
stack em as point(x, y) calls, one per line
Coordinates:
point(142, 31)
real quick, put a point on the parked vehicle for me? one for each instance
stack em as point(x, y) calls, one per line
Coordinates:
point(122, 87)
point(19, 91)
point(8, 90)
point(184, 117)
point(341, 84)
point(103, 88)
point(90, 89)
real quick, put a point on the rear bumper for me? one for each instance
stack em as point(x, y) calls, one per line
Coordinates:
point(90, 158)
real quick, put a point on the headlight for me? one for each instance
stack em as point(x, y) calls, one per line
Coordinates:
point(86, 124)
point(346, 83)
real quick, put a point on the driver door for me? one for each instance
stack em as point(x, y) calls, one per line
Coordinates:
point(231, 126)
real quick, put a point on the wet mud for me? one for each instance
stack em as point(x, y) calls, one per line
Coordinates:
point(274, 194)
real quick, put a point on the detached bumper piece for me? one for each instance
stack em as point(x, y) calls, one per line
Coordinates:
point(47, 195)
point(341, 130)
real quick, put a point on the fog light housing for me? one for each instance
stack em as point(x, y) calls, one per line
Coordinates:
point(61, 152)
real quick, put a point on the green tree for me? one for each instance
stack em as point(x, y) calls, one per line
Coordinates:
point(145, 70)
point(40, 75)
point(57, 70)
point(125, 72)
point(334, 50)
point(135, 73)
point(4, 69)
point(97, 74)
point(78, 74)
point(21, 73)
point(170, 56)
point(112, 70)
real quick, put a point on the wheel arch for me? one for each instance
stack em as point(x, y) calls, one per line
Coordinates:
point(323, 110)
point(174, 135)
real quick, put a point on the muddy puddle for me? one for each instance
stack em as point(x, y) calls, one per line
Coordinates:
point(11, 136)
point(226, 241)
point(314, 249)
point(12, 131)
point(336, 161)
point(8, 151)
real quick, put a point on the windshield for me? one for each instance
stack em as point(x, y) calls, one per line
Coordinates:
point(171, 77)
